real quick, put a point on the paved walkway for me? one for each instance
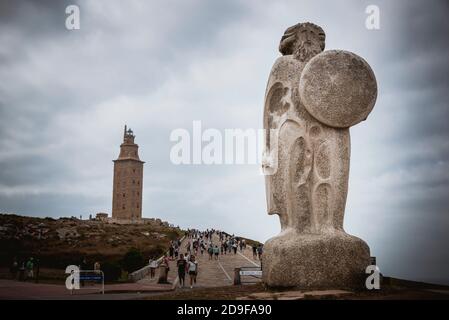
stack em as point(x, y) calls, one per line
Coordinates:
point(213, 273)
point(11, 289)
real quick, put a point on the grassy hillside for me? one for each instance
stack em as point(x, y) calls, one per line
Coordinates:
point(58, 243)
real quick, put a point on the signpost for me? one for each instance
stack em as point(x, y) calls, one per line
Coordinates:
point(247, 272)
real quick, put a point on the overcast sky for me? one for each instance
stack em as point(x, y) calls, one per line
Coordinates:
point(159, 65)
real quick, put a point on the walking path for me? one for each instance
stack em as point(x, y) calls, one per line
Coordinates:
point(212, 273)
point(11, 289)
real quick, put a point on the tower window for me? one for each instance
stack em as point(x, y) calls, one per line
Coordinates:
point(123, 195)
point(138, 182)
point(134, 181)
point(123, 207)
point(137, 206)
point(134, 170)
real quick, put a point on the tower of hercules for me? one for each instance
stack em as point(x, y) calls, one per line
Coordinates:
point(128, 180)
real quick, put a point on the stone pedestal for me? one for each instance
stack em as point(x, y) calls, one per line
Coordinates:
point(163, 274)
point(336, 260)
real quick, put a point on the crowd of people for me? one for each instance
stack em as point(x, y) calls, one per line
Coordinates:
point(196, 243)
point(27, 269)
point(199, 243)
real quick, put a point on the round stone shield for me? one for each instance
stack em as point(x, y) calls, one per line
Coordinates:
point(338, 88)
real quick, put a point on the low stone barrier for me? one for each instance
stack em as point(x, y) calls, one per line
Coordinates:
point(143, 272)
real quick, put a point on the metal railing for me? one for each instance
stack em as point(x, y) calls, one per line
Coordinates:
point(94, 275)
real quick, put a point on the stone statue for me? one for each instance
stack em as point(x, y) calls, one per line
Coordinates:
point(312, 99)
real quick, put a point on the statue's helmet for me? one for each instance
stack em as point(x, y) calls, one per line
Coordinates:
point(302, 34)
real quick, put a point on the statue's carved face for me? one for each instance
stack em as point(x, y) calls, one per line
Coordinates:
point(303, 40)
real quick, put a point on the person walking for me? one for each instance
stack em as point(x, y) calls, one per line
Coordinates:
point(225, 247)
point(37, 268)
point(216, 252)
point(254, 252)
point(182, 268)
point(164, 268)
point(176, 252)
point(210, 250)
point(193, 270)
point(153, 266)
point(29, 268)
point(260, 251)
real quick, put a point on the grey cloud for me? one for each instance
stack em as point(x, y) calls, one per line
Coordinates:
point(158, 65)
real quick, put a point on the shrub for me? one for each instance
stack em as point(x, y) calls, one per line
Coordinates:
point(133, 260)
point(112, 271)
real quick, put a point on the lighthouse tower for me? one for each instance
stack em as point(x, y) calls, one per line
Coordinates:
point(128, 180)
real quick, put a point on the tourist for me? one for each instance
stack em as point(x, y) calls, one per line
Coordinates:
point(153, 266)
point(14, 268)
point(254, 252)
point(29, 268)
point(171, 251)
point(216, 252)
point(176, 252)
point(83, 267)
point(164, 268)
point(181, 263)
point(259, 251)
point(193, 271)
point(210, 250)
point(225, 247)
point(37, 267)
point(166, 260)
point(234, 247)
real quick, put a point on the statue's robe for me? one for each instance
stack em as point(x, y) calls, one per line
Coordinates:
point(308, 161)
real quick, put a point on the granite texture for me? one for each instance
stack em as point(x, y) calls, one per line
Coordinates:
point(306, 163)
point(338, 88)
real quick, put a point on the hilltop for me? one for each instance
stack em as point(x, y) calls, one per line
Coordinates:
point(64, 241)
